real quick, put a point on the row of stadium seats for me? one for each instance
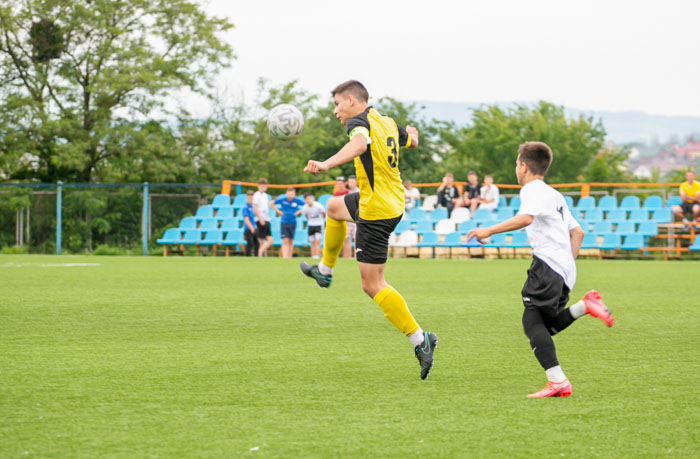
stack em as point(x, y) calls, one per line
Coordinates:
point(233, 237)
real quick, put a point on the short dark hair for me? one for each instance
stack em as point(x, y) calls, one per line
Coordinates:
point(537, 156)
point(262, 181)
point(353, 87)
point(471, 173)
point(291, 188)
point(249, 193)
point(307, 194)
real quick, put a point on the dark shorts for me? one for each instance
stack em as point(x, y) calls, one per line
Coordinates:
point(315, 230)
point(288, 230)
point(544, 289)
point(263, 230)
point(372, 236)
point(687, 207)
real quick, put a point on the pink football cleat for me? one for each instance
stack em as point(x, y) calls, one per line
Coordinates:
point(596, 308)
point(552, 389)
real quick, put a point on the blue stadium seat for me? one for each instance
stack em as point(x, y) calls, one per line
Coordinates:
point(630, 203)
point(233, 237)
point(439, 213)
point(224, 212)
point(673, 201)
point(191, 237)
point(467, 226)
point(602, 228)
point(323, 199)
point(639, 216)
point(483, 215)
point(585, 203)
point(502, 202)
point(616, 216)
point(188, 223)
point(660, 216)
point(648, 229)
point(607, 203)
point(504, 214)
point(204, 212)
point(228, 224)
point(451, 240)
point(514, 203)
point(593, 216)
point(276, 238)
point(518, 241)
point(417, 215)
point(404, 225)
point(496, 240)
point(221, 200)
point(212, 237)
point(569, 202)
point(610, 242)
point(428, 240)
point(624, 228)
point(590, 241)
point(208, 224)
point(171, 236)
point(633, 242)
point(275, 222)
point(239, 201)
point(653, 202)
point(301, 239)
point(423, 227)
point(695, 246)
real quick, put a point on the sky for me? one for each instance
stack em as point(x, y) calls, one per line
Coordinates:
point(614, 55)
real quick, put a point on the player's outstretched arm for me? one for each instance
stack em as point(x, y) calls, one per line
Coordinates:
point(354, 148)
point(413, 134)
point(517, 222)
point(576, 237)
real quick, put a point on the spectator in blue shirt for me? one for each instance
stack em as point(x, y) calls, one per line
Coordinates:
point(251, 240)
point(289, 207)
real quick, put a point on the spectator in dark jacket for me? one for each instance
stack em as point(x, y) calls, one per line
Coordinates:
point(448, 193)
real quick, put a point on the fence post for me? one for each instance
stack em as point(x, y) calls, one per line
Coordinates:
point(238, 189)
point(144, 219)
point(59, 204)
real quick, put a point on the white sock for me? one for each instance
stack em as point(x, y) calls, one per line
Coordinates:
point(325, 270)
point(417, 337)
point(577, 309)
point(555, 374)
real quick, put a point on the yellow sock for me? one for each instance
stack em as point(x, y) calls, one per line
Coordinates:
point(333, 241)
point(396, 310)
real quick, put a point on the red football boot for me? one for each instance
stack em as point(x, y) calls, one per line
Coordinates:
point(552, 389)
point(596, 308)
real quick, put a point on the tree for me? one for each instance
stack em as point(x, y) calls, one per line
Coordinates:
point(77, 74)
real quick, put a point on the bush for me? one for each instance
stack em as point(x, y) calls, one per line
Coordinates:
point(107, 250)
point(13, 250)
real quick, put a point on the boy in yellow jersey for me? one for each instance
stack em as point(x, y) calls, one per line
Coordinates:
point(376, 210)
point(690, 196)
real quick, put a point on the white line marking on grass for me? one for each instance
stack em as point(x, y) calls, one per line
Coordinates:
point(68, 265)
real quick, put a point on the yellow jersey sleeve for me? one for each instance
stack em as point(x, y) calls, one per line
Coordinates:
point(690, 189)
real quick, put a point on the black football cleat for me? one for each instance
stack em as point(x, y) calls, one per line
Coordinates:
point(424, 353)
point(312, 271)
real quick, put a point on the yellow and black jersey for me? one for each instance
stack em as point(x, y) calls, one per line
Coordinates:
point(377, 169)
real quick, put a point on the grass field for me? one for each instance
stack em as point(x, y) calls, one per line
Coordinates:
point(245, 357)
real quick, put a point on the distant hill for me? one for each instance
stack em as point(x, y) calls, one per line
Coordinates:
point(622, 127)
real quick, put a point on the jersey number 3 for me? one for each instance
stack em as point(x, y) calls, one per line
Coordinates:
point(394, 157)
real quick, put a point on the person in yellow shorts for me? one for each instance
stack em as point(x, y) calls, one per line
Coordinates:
point(373, 146)
point(690, 195)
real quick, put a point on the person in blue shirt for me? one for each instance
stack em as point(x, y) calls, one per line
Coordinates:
point(289, 207)
point(251, 240)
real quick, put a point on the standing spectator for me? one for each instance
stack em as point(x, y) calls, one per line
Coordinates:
point(251, 240)
point(352, 184)
point(690, 195)
point(352, 228)
point(316, 215)
point(447, 193)
point(489, 194)
point(340, 187)
point(261, 201)
point(341, 190)
point(472, 192)
point(411, 194)
point(289, 207)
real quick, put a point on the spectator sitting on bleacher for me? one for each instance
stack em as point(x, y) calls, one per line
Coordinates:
point(315, 214)
point(411, 194)
point(251, 239)
point(261, 201)
point(690, 195)
point(489, 194)
point(472, 192)
point(289, 208)
point(447, 193)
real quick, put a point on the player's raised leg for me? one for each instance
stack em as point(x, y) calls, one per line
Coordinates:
point(396, 311)
point(336, 215)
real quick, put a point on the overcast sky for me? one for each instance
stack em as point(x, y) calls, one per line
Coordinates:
point(593, 54)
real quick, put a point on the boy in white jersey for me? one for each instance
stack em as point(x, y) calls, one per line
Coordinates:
point(316, 216)
point(555, 238)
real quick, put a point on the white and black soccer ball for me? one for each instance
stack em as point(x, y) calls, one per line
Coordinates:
point(285, 121)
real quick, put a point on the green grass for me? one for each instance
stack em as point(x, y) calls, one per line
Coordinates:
point(215, 357)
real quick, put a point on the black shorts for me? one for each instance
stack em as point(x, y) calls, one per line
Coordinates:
point(263, 230)
point(288, 230)
point(687, 207)
point(372, 236)
point(315, 230)
point(544, 289)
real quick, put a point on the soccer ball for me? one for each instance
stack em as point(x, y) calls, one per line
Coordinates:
point(285, 121)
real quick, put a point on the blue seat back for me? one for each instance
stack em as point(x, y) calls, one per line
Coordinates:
point(502, 201)
point(673, 201)
point(452, 239)
point(224, 212)
point(590, 241)
point(212, 236)
point(496, 240)
point(323, 199)
point(188, 223)
point(239, 201)
point(648, 229)
point(630, 203)
point(170, 236)
point(439, 213)
point(424, 227)
point(301, 239)
point(429, 239)
point(221, 200)
point(661, 215)
point(633, 242)
point(514, 203)
point(208, 224)
point(653, 202)
point(418, 214)
point(593, 216)
point(587, 202)
point(204, 212)
point(624, 228)
point(231, 223)
point(569, 202)
point(467, 226)
point(191, 237)
point(602, 228)
point(483, 215)
point(610, 241)
point(616, 216)
point(504, 213)
point(518, 240)
point(607, 203)
point(233, 237)
point(404, 225)
point(639, 215)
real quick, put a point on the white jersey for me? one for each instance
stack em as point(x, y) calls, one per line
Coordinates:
point(549, 231)
point(491, 194)
point(313, 213)
point(261, 201)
